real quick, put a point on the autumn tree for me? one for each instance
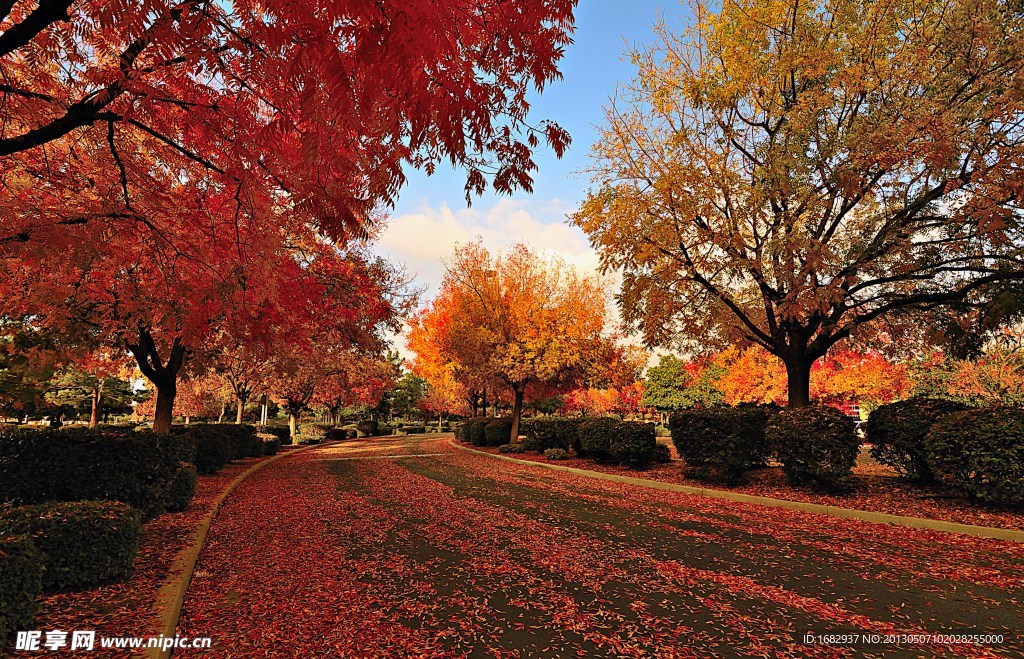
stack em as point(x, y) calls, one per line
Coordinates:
point(517, 318)
point(784, 173)
point(273, 102)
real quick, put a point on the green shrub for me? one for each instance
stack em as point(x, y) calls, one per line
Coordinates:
point(556, 454)
point(318, 430)
point(385, 430)
point(720, 443)
point(76, 464)
point(550, 433)
point(512, 448)
point(897, 432)
point(305, 440)
point(183, 487)
point(368, 428)
point(981, 451)
point(337, 434)
point(21, 582)
point(662, 453)
point(414, 430)
point(497, 432)
point(461, 431)
point(633, 443)
point(271, 446)
point(596, 438)
point(282, 433)
point(213, 449)
point(475, 430)
point(817, 445)
point(80, 543)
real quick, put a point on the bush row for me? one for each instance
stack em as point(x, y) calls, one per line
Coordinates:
point(817, 445)
point(978, 451)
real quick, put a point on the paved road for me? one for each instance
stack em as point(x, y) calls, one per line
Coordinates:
point(410, 547)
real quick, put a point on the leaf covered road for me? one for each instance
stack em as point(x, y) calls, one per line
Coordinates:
point(447, 553)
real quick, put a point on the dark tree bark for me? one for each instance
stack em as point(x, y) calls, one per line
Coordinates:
point(163, 374)
point(518, 391)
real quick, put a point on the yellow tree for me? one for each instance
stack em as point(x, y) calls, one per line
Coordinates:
point(516, 318)
point(785, 172)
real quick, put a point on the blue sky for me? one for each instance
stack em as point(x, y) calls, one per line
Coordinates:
point(431, 216)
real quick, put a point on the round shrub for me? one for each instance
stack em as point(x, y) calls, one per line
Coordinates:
point(981, 451)
point(720, 443)
point(556, 454)
point(21, 582)
point(318, 430)
point(817, 445)
point(414, 430)
point(182, 488)
point(512, 448)
point(596, 439)
point(80, 543)
point(633, 443)
point(75, 464)
point(543, 434)
point(368, 428)
point(306, 440)
point(283, 434)
point(271, 446)
point(662, 453)
point(475, 430)
point(385, 430)
point(897, 432)
point(498, 432)
point(213, 449)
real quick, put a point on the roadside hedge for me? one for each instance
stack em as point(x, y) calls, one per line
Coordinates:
point(497, 432)
point(720, 443)
point(77, 464)
point(368, 428)
point(81, 543)
point(981, 451)
point(213, 448)
point(21, 583)
point(182, 489)
point(633, 443)
point(897, 433)
point(817, 445)
point(596, 438)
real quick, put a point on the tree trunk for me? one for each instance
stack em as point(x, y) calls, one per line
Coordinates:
point(440, 418)
point(798, 380)
point(97, 392)
point(517, 411)
point(483, 398)
point(293, 424)
point(165, 393)
point(241, 410)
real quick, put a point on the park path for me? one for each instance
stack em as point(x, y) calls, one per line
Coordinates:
point(411, 547)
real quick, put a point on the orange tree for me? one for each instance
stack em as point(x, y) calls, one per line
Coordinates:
point(784, 173)
point(515, 318)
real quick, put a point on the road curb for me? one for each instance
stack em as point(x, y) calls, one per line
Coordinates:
point(1011, 535)
point(171, 596)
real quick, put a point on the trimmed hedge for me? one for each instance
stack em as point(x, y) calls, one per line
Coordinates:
point(80, 543)
point(512, 448)
point(77, 464)
point(662, 453)
point(633, 443)
point(271, 446)
point(383, 430)
point(213, 449)
point(981, 451)
point(720, 443)
point(897, 433)
point(817, 445)
point(498, 432)
point(319, 430)
point(596, 439)
point(282, 433)
point(183, 487)
point(550, 432)
point(337, 434)
point(556, 454)
point(368, 428)
point(414, 430)
point(474, 430)
point(21, 582)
